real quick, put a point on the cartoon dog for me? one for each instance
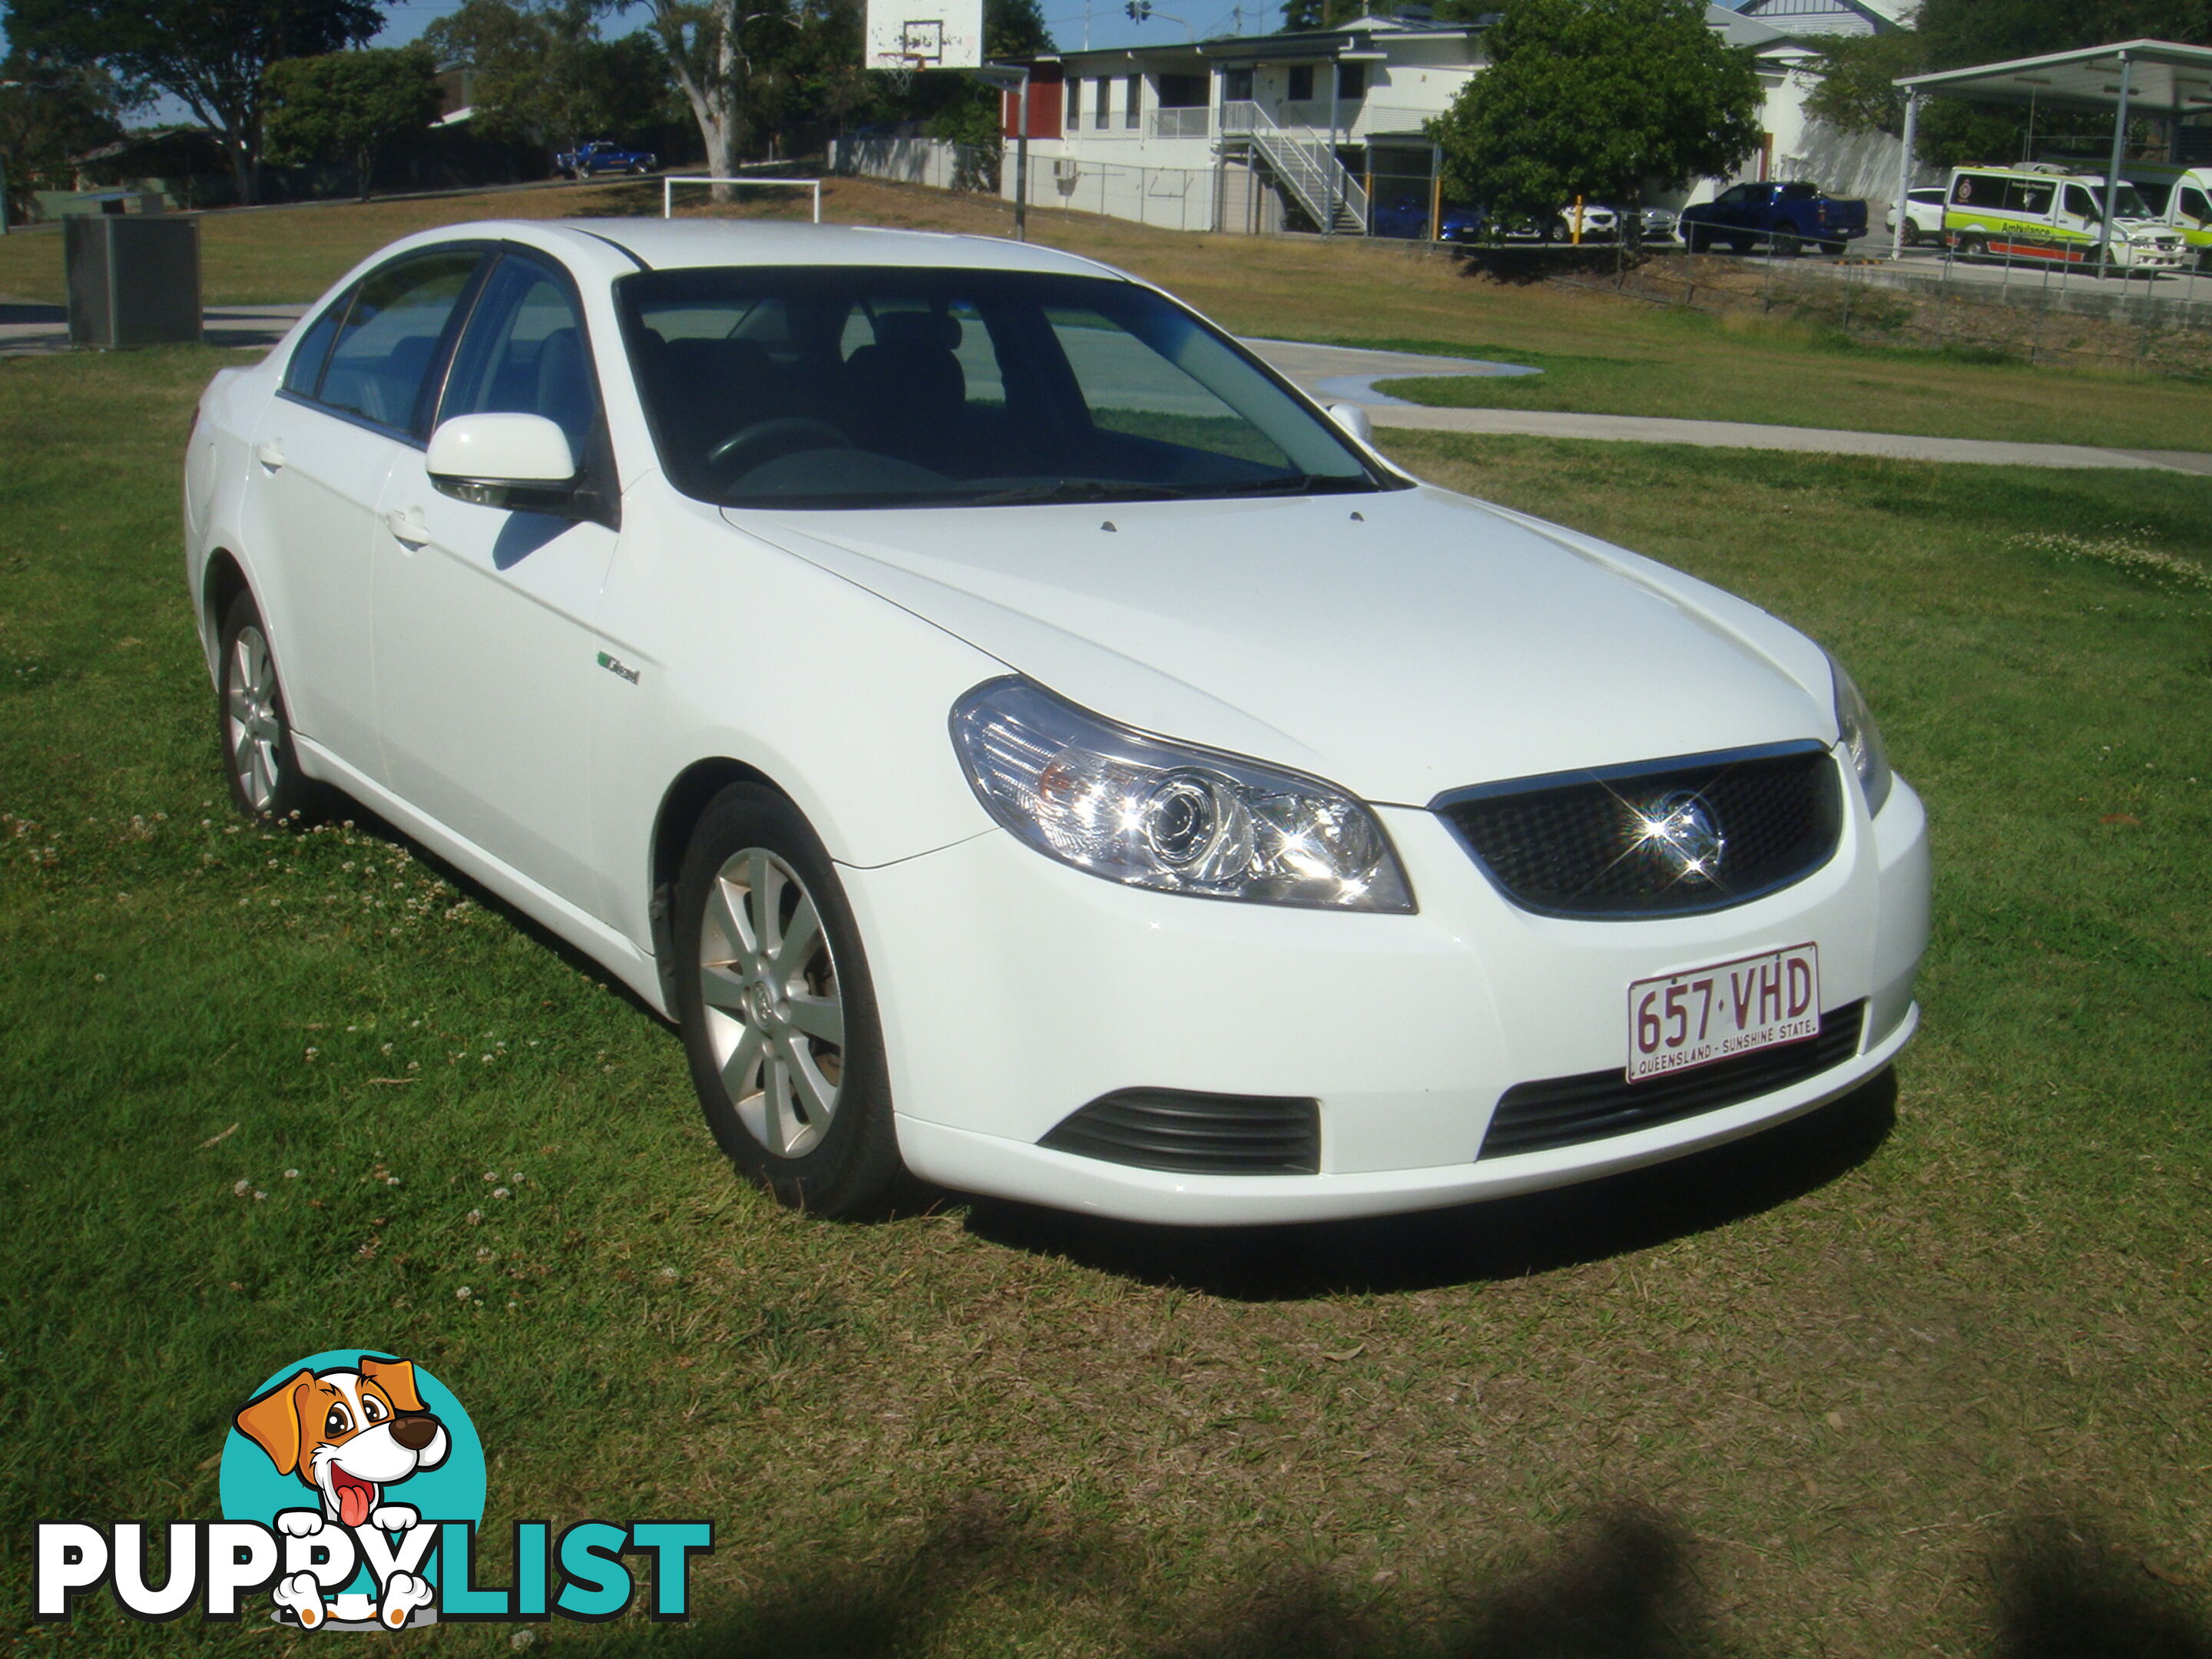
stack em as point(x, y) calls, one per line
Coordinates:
point(348, 1435)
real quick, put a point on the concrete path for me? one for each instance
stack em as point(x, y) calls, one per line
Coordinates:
point(32, 328)
point(1330, 373)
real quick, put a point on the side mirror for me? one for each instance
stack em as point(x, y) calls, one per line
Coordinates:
point(517, 461)
point(1353, 419)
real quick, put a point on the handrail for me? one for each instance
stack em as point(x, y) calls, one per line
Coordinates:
point(1323, 184)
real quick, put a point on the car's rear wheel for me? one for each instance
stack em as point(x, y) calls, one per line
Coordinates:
point(257, 757)
point(778, 1012)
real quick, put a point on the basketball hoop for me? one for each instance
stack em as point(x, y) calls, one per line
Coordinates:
point(901, 70)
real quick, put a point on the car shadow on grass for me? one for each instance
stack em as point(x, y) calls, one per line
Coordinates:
point(1504, 1238)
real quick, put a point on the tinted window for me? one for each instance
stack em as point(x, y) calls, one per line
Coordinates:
point(1972, 188)
point(392, 335)
point(2195, 206)
point(1183, 92)
point(1800, 193)
point(305, 371)
point(1733, 193)
point(524, 353)
point(2079, 204)
point(855, 387)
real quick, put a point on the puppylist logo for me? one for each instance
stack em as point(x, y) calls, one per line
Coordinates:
point(352, 1486)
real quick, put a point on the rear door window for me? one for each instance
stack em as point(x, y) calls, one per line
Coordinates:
point(392, 337)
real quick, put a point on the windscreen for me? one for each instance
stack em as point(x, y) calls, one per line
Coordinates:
point(846, 386)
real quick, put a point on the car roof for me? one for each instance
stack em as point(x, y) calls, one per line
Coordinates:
point(686, 244)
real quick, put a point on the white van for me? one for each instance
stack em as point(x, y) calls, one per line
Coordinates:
point(2042, 212)
point(2181, 197)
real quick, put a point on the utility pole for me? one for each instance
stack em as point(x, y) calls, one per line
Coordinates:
point(1015, 78)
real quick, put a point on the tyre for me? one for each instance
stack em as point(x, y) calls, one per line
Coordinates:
point(1971, 248)
point(778, 1012)
point(258, 758)
point(1787, 246)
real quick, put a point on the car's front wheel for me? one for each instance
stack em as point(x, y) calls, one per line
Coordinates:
point(258, 758)
point(778, 1012)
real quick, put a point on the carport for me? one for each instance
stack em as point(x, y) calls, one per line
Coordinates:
point(2134, 77)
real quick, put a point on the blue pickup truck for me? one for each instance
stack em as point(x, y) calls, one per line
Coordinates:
point(1786, 217)
point(602, 155)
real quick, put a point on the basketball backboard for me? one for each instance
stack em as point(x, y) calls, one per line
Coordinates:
point(925, 34)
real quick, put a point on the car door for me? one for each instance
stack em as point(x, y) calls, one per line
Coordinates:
point(483, 616)
point(323, 450)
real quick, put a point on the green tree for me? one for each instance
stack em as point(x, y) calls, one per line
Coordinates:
point(1855, 92)
point(543, 75)
point(1856, 75)
point(965, 112)
point(348, 105)
point(50, 111)
point(209, 55)
point(1595, 98)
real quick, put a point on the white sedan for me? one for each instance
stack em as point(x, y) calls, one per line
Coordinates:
point(1026, 743)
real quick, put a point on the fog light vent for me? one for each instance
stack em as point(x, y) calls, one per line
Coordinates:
point(1195, 1134)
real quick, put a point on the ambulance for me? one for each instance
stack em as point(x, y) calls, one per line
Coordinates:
point(2044, 212)
point(2182, 196)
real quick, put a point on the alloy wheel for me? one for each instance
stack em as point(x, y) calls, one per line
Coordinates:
point(775, 1010)
point(250, 711)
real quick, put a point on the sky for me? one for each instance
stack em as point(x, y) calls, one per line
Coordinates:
point(1102, 23)
point(1073, 23)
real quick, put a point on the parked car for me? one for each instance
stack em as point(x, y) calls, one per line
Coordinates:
point(2050, 217)
point(600, 156)
point(1924, 216)
point(1786, 217)
point(1656, 224)
point(1599, 224)
point(1407, 215)
point(1024, 743)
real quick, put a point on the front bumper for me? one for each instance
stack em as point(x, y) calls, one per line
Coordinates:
point(1014, 990)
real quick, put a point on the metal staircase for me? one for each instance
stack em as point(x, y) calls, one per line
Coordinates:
point(1306, 163)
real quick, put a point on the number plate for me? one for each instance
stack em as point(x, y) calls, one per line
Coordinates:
point(1703, 1014)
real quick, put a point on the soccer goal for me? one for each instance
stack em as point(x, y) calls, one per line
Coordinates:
point(668, 190)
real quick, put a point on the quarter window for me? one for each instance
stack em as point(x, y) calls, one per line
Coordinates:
point(304, 374)
point(391, 337)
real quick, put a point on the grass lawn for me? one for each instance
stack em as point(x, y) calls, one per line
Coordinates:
point(1922, 1374)
point(1600, 355)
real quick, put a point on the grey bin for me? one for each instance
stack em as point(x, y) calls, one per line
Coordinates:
point(134, 279)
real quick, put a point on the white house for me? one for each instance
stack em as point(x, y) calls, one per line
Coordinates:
point(1317, 129)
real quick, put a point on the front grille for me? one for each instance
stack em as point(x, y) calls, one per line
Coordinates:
point(1584, 844)
point(1567, 1111)
point(1195, 1134)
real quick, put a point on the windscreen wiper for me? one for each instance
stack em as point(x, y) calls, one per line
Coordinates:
point(1075, 489)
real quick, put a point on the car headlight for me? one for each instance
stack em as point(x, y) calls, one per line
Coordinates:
point(1856, 730)
point(1179, 819)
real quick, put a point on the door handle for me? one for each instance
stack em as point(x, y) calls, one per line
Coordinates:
point(269, 453)
point(407, 526)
